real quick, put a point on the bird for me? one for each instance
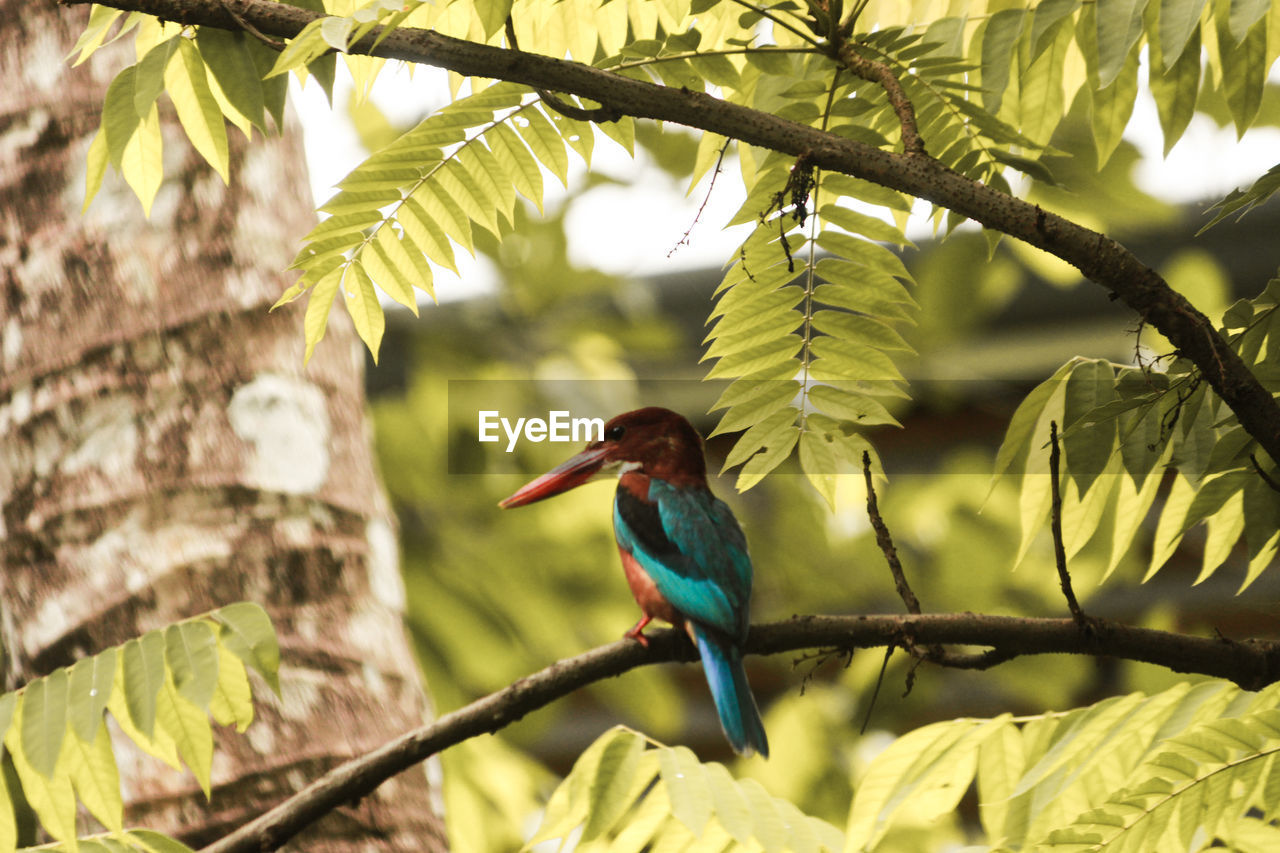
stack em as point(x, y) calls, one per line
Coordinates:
point(683, 552)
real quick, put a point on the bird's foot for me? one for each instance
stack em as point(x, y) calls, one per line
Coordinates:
point(637, 631)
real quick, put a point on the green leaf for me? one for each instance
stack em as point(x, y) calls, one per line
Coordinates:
point(1119, 25)
point(397, 266)
point(119, 118)
point(189, 727)
point(95, 32)
point(52, 799)
point(770, 430)
point(1003, 31)
point(44, 721)
point(426, 233)
point(1088, 447)
point(1169, 529)
point(614, 787)
point(1112, 108)
point(1244, 73)
point(844, 360)
point(925, 771)
point(362, 304)
point(440, 207)
point(1021, 434)
point(8, 704)
point(568, 806)
point(1047, 14)
point(686, 785)
point(1179, 20)
point(144, 674)
point(770, 396)
point(860, 329)
point(95, 166)
point(90, 683)
point(731, 808)
point(777, 447)
point(246, 631)
point(8, 820)
point(1245, 200)
point(318, 306)
point(142, 162)
point(197, 108)
point(519, 162)
point(229, 59)
point(1041, 101)
point(301, 50)
point(91, 765)
point(154, 842)
point(492, 14)
point(149, 76)
point(190, 649)
point(818, 462)
point(232, 702)
point(733, 334)
point(765, 356)
point(859, 409)
point(1175, 91)
point(1243, 15)
point(335, 32)
point(544, 141)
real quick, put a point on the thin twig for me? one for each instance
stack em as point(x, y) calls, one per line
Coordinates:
point(884, 667)
point(684, 240)
point(883, 76)
point(1266, 478)
point(250, 28)
point(1055, 524)
point(885, 541)
point(599, 114)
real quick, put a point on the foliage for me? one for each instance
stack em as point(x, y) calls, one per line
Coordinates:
point(160, 690)
point(988, 87)
point(1170, 771)
point(1124, 424)
point(624, 796)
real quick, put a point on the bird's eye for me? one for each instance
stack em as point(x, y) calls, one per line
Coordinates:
point(614, 433)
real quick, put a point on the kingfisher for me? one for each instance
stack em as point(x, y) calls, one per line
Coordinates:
point(683, 553)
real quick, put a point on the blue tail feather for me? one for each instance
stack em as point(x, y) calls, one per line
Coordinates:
point(739, 716)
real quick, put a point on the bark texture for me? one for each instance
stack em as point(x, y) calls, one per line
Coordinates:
point(162, 451)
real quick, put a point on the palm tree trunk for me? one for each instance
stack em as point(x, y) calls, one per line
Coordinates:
point(163, 452)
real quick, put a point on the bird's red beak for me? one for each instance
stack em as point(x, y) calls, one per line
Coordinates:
point(567, 475)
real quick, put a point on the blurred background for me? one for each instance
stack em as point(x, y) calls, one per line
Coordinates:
point(603, 301)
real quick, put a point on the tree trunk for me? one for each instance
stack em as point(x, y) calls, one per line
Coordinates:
point(162, 451)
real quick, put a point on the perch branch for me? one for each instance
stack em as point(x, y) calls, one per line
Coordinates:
point(1251, 664)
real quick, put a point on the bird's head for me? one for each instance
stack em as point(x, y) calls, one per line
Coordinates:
point(654, 441)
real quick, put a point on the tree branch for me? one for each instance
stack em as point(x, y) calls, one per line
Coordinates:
point(1055, 526)
point(1251, 664)
point(1098, 257)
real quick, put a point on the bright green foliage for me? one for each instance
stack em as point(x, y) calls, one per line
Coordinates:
point(810, 312)
point(1121, 424)
point(125, 841)
point(1161, 772)
point(161, 689)
point(627, 793)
